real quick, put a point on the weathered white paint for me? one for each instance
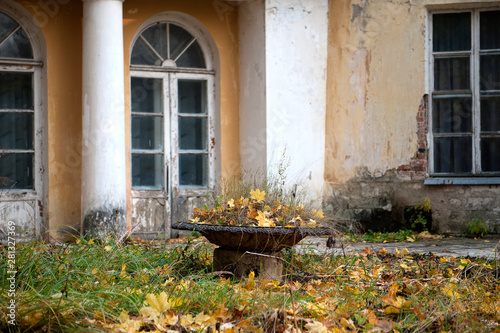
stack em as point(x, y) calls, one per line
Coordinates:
point(292, 79)
point(103, 127)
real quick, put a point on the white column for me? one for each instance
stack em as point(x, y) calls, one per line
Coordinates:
point(296, 57)
point(283, 95)
point(103, 126)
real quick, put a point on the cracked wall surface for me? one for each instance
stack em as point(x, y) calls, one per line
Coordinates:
point(376, 124)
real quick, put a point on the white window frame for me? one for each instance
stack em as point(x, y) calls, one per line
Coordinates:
point(475, 177)
point(208, 73)
point(170, 125)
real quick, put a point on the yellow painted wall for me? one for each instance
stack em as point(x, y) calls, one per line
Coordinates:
point(61, 23)
point(62, 29)
point(376, 81)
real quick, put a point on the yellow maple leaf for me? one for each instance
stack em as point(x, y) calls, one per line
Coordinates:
point(318, 213)
point(201, 318)
point(263, 221)
point(169, 318)
point(160, 303)
point(316, 327)
point(449, 290)
point(186, 320)
point(195, 220)
point(391, 310)
point(230, 203)
point(257, 194)
point(108, 248)
point(405, 251)
point(149, 312)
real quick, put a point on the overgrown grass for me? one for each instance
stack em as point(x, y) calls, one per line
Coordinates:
point(402, 235)
point(93, 286)
point(381, 237)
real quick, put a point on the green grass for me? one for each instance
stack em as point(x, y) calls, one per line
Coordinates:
point(381, 237)
point(104, 287)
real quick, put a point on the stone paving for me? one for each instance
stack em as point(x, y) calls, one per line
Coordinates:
point(450, 246)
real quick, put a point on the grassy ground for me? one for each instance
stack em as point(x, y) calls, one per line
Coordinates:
point(159, 286)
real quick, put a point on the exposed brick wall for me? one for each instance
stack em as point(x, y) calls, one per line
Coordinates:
point(417, 168)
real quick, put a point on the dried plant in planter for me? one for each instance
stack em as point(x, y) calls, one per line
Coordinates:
point(257, 211)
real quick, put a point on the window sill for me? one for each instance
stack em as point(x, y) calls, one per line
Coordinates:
point(463, 181)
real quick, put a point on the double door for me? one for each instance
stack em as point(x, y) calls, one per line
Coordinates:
point(172, 156)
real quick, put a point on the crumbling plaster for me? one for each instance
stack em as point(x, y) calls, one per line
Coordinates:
point(376, 114)
point(376, 79)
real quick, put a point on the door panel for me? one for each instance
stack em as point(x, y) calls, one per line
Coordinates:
point(150, 216)
point(24, 214)
point(176, 169)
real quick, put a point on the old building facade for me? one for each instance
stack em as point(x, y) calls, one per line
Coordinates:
point(122, 115)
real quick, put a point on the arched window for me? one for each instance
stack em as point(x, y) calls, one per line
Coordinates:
point(22, 121)
point(16, 109)
point(172, 119)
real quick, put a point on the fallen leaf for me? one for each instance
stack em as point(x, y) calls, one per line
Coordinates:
point(316, 327)
point(257, 194)
point(160, 303)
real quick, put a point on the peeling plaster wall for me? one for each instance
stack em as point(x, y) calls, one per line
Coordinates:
point(376, 79)
point(376, 118)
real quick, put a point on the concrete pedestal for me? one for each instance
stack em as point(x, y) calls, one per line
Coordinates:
point(266, 265)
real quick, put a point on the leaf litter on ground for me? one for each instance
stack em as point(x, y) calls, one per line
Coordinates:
point(164, 286)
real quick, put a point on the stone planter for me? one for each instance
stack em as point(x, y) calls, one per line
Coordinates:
point(246, 249)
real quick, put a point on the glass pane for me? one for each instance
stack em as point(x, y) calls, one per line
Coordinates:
point(16, 171)
point(192, 96)
point(147, 132)
point(7, 25)
point(179, 39)
point(452, 73)
point(193, 170)
point(16, 131)
point(453, 155)
point(490, 30)
point(452, 115)
point(490, 154)
point(490, 114)
point(147, 171)
point(142, 54)
point(157, 37)
point(17, 46)
point(16, 90)
point(490, 72)
point(146, 95)
point(192, 57)
point(192, 133)
point(451, 32)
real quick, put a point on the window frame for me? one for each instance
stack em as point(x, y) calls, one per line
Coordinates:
point(33, 202)
point(476, 176)
point(170, 75)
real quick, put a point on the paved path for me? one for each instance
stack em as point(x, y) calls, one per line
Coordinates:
point(454, 246)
